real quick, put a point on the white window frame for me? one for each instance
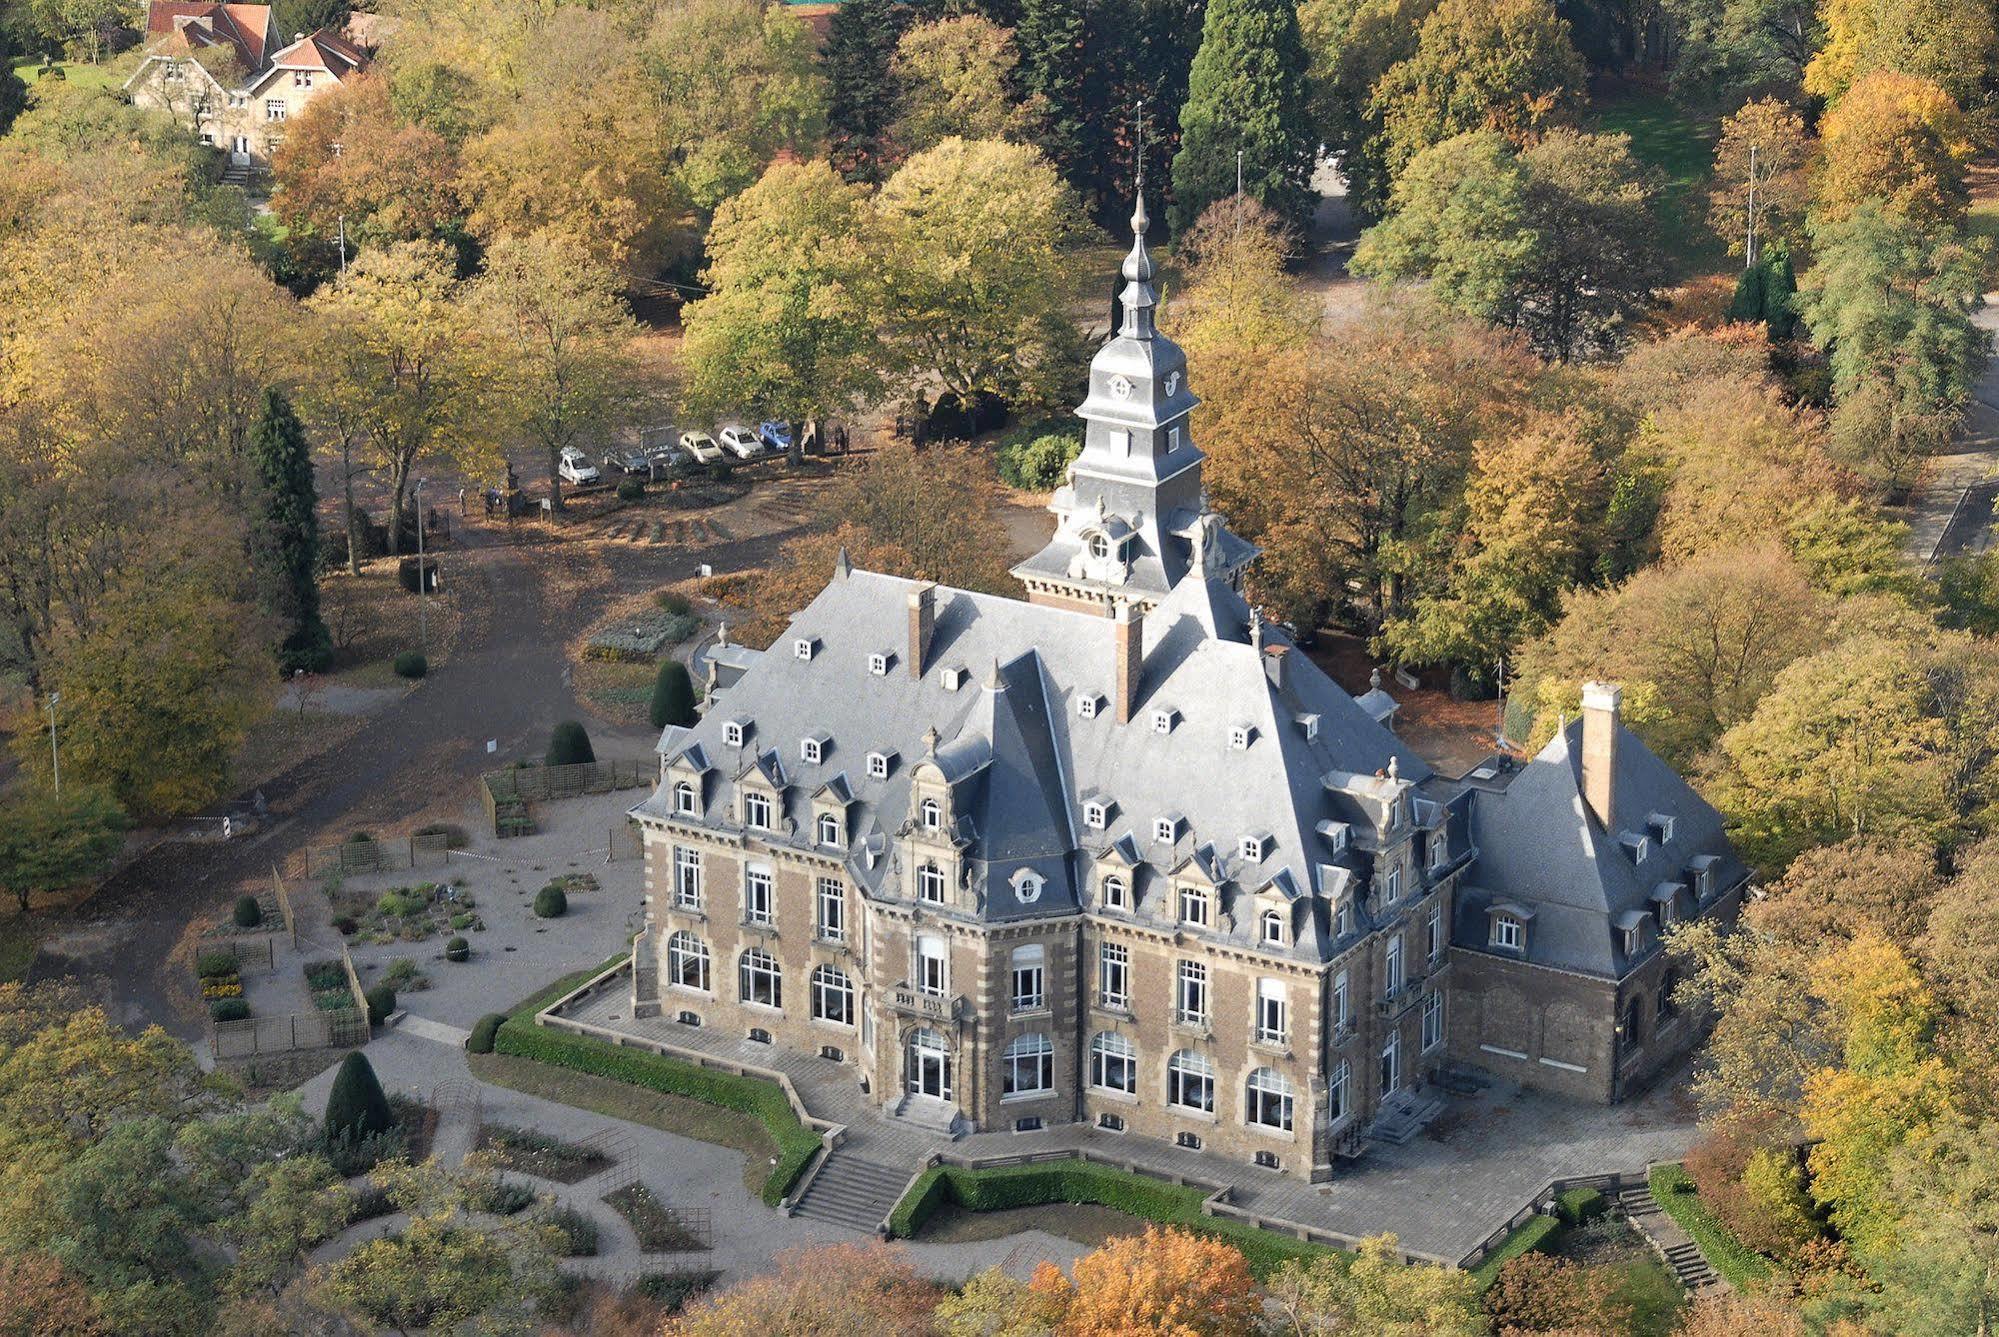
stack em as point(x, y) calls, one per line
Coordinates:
point(1113, 1063)
point(732, 733)
point(1393, 972)
point(1251, 849)
point(810, 751)
point(1268, 1100)
point(1114, 975)
point(1339, 1092)
point(686, 799)
point(1273, 1012)
point(1239, 737)
point(1190, 1074)
point(1029, 975)
point(1086, 705)
point(1164, 829)
point(878, 664)
point(758, 966)
point(758, 810)
point(1433, 935)
point(1190, 993)
point(828, 829)
point(687, 955)
point(687, 891)
point(878, 765)
point(931, 885)
point(1271, 928)
point(1392, 885)
point(830, 908)
point(1027, 1066)
point(1433, 1021)
point(759, 897)
point(832, 995)
point(1162, 721)
point(1507, 933)
point(931, 814)
point(933, 966)
point(274, 110)
point(1196, 906)
point(1095, 816)
point(1342, 1002)
point(1117, 892)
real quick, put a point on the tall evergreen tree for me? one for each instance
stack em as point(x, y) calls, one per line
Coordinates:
point(1246, 91)
point(861, 96)
point(1160, 38)
point(1054, 43)
point(286, 545)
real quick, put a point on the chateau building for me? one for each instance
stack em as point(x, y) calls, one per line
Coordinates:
point(1120, 854)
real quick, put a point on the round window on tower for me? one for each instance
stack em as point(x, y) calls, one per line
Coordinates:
point(1120, 387)
point(1100, 547)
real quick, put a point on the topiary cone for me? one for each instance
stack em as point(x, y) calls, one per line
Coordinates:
point(672, 696)
point(356, 1107)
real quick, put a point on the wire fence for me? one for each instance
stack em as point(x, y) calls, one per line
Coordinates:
point(368, 855)
point(505, 795)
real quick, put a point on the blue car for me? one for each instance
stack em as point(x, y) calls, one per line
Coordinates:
point(776, 436)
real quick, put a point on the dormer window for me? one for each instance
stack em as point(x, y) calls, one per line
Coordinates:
point(828, 829)
point(1164, 829)
point(1239, 737)
point(756, 811)
point(1343, 919)
point(1117, 893)
point(812, 750)
point(686, 802)
point(1100, 547)
point(1254, 848)
point(1391, 886)
point(930, 884)
point(1271, 928)
point(1088, 704)
point(1634, 939)
point(1507, 933)
point(878, 764)
point(1095, 816)
point(1660, 824)
point(1636, 846)
point(1194, 906)
point(931, 812)
point(1440, 850)
point(805, 647)
point(878, 664)
point(1162, 721)
point(734, 732)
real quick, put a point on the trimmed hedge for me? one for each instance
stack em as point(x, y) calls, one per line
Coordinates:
point(1533, 1233)
point(247, 914)
point(483, 1031)
point(551, 902)
point(1738, 1264)
point(1081, 1182)
point(229, 1009)
point(381, 1002)
point(761, 1100)
point(411, 664)
point(457, 950)
point(1579, 1205)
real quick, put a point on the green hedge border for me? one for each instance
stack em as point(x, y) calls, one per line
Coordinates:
point(1738, 1264)
point(761, 1100)
point(1533, 1233)
point(1079, 1181)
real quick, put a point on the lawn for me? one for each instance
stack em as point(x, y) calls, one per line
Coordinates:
point(80, 73)
point(1679, 146)
point(19, 937)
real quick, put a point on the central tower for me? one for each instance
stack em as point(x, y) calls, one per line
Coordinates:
point(1132, 519)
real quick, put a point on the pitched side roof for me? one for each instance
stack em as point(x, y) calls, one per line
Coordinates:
point(194, 24)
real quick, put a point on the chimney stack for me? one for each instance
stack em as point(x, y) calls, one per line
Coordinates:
point(1130, 624)
point(1601, 703)
point(922, 622)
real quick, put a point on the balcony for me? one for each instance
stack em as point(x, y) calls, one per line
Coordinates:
point(1400, 999)
point(931, 1007)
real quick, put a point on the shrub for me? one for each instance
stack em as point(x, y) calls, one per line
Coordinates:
point(1537, 1292)
point(345, 925)
point(325, 975)
point(247, 914)
point(672, 695)
point(381, 1002)
point(551, 902)
point(402, 903)
point(411, 664)
point(501, 1197)
point(1737, 1263)
point(405, 975)
point(674, 602)
point(631, 488)
point(228, 1009)
point(483, 1031)
point(216, 965)
point(457, 950)
point(569, 745)
point(1578, 1205)
point(463, 919)
point(722, 471)
point(222, 988)
point(355, 1107)
point(454, 835)
point(1039, 465)
point(578, 1232)
point(1534, 1233)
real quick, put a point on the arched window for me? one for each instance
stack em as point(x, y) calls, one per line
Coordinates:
point(687, 961)
point(930, 884)
point(1273, 928)
point(829, 829)
point(933, 814)
point(760, 979)
point(1028, 1066)
point(1114, 1063)
point(1117, 895)
point(1190, 1082)
point(832, 995)
point(1269, 1099)
point(685, 801)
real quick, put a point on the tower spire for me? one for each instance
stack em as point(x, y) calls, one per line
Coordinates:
point(1138, 297)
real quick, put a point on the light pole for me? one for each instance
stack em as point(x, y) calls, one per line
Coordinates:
point(422, 577)
point(55, 757)
point(337, 147)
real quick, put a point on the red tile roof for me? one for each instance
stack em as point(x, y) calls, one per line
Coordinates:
point(200, 23)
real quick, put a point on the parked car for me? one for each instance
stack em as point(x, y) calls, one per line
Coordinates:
point(741, 442)
point(776, 436)
point(574, 468)
point(663, 458)
point(701, 446)
point(628, 460)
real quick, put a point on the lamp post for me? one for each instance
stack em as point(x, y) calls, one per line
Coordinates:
point(422, 577)
point(55, 757)
point(337, 147)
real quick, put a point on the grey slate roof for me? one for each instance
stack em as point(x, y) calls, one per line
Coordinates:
point(1540, 847)
point(1021, 757)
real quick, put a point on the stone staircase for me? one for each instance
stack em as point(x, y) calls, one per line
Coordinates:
point(1405, 1114)
point(1673, 1244)
point(851, 1192)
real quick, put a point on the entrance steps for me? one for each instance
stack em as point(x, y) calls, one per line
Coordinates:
point(1405, 1114)
point(931, 1115)
point(1671, 1243)
point(851, 1192)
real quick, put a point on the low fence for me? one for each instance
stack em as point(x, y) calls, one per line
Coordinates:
point(1610, 1185)
point(256, 1036)
point(505, 795)
point(625, 843)
point(375, 856)
point(285, 905)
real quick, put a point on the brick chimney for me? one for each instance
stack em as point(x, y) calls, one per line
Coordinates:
point(1601, 703)
point(922, 622)
point(1130, 627)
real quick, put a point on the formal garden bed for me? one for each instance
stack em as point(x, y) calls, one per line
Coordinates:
point(658, 1228)
point(537, 1154)
point(328, 981)
point(405, 914)
point(577, 1231)
point(1077, 1181)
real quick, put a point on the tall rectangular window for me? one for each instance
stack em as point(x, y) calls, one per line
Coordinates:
point(1433, 935)
point(686, 877)
point(832, 900)
point(1029, 988)
point(1392, 975)
point(1337, 1093)
point(1433, 1021)
point(932, 966)
point(759, 897)
point(1191, 994)
point(1272, 1012)
point(1342, 1007)
point(1113, 975)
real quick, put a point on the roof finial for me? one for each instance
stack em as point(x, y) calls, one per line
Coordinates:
point(842, 565)
point(1139, 220)
point(1138, 297)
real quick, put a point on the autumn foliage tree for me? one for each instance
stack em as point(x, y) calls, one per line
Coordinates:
point(1164, 1281)
point(350, 154)
point(1899, 140)
point(839, 1290)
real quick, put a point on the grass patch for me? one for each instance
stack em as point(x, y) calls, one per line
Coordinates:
point(1679, 146)
point(20, 939)
point(1080, 1182)
point(1658, 1301)
point(749, 1100)
point(78, 72)
point(540, 1155)
point(1533, 1233)
point(1738, 1264)
point(658, 1229)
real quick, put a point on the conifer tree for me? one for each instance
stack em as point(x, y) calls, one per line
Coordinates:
point(1054, 44)
point(673, 696)
point(861, 99)
point(286, 546)
point(356, 1106)
point(1246, 91)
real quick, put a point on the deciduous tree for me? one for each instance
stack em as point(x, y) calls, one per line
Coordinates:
point(953, 77)
point(1947, 42)
point(1761, 186)
point(1377, 1293)
point(1897, 140)
point(838, 1290)
point(391, 179)
point(1162, 1281)
point(52, 842)
point(1349, 46)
